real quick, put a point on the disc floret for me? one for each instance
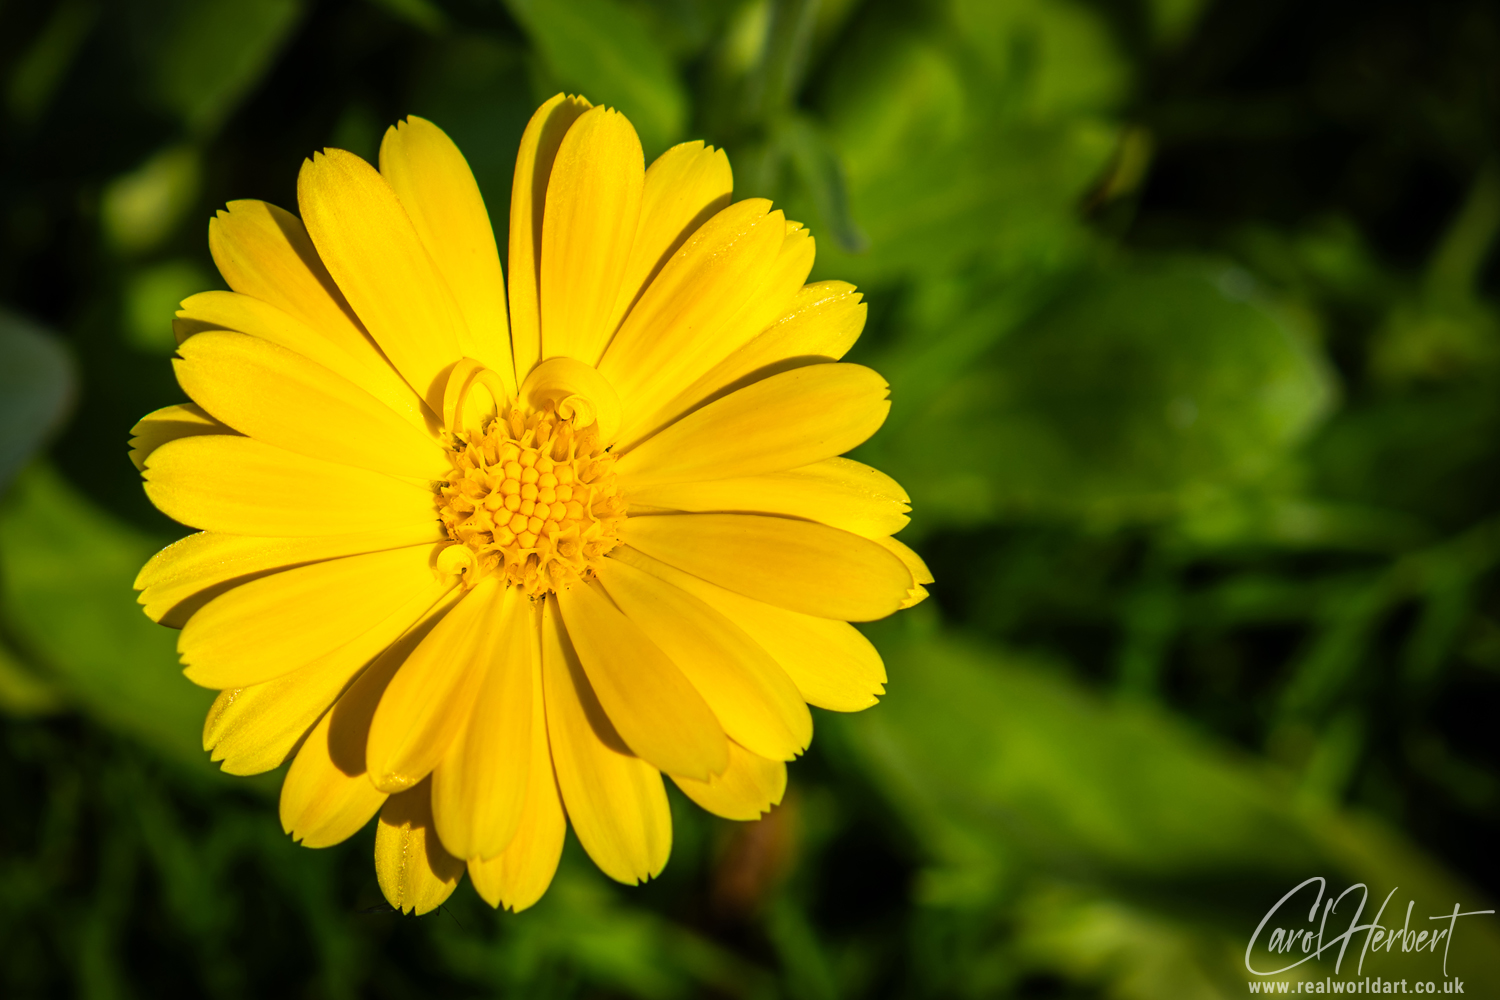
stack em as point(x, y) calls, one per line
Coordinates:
point(530, 498)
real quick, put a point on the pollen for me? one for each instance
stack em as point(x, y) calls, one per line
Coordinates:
point(531, 498)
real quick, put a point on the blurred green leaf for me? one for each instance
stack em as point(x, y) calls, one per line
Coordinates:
point(36, 75)
point(971, 136)
point(603, 50)
point(37, 386)
point(995, 750)
point(621, 948)
point(140, 209)
point(423, 14)
point(67, 569)
point(1139, 389)
point(1023, 789)
point(22, 692)
point(207, 54)
point(152, 296)
point(1047, 58)
point(1382, 451)
point(1172, 21)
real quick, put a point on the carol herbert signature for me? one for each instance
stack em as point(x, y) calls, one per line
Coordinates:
point(1312, 940)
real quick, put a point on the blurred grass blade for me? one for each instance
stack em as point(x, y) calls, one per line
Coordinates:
point(36, 76)
point(821, 173)
point(37, 385)
point(603, 50)
point(773, 85)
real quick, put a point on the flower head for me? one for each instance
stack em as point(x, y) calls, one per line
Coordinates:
point(486, 561)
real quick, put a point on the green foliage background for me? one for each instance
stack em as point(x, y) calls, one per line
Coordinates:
point(1195, 364)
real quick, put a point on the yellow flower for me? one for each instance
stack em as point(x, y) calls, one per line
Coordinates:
point(483, 566)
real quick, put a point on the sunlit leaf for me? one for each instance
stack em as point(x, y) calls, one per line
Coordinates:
point(1139, 388)
point(1016, 780)
point(603, 50)
point(962, 141)
point(140, 209)
point(152, 296)
point(67, 570)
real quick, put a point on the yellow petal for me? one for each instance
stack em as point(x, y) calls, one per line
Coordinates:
point(434, 184)
point(748, 788)
point(796, 565)
point(731, 280)
point(265, 253)
point(322, 798)
point(372, 250)
point(254, 729)
point(689, 309)
point(413, 870)
point(528, 201)
point(685, 187)
point(578, 392)
point(779, 423)
point(920, 574)
point(246, 487)
point(281, 398)
point(838, 492)
point(650, 704)
point(593, 209)
point(271, 626)
point(321, 804)
point(427, 702)
point(821, 324)
point(479, 787)
point(751, 696)
point(168, 424)
point(518, 876)
point(192, 571)
point(833, 665)
point(615, 800)
point(353, 356)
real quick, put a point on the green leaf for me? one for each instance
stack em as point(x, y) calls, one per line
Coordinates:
point(37, 386)
point(998, 749)
point(423, 14)
point(603, 50)
point(1139, 390)
point(22, 692)
point(210, 53)
point(152, 296)
point(67, 569)
point(141, 208)
point(1050, 58)
point(1427, 453)
point(625, 950)
point(961, 141)
point(1112, 832)
point(46, 62)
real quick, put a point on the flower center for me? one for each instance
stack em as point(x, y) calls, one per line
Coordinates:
point(530, 498)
